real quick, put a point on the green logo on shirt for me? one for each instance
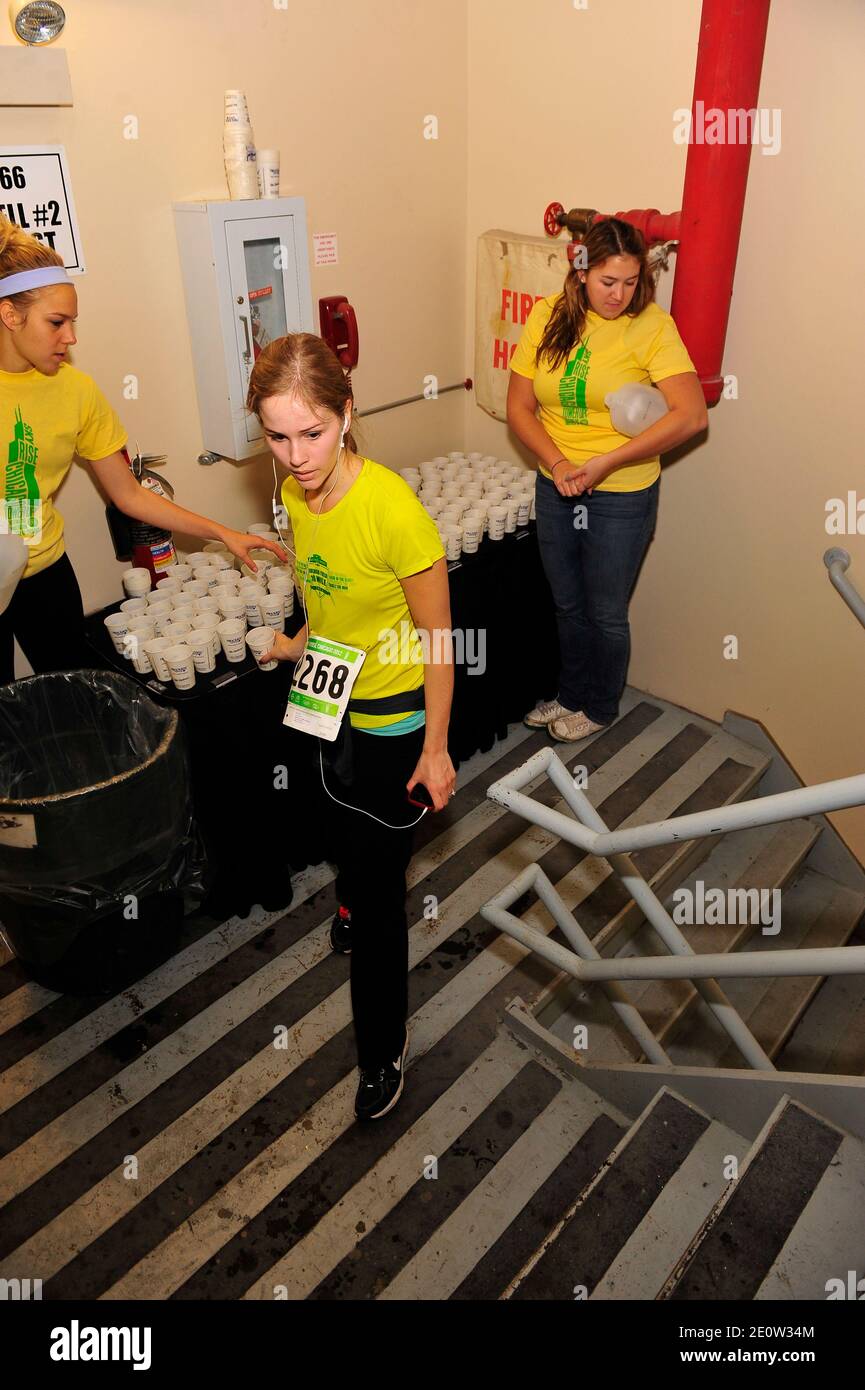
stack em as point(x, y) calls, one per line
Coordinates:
point(316, 573)
point(20, 505)
point(572, 388)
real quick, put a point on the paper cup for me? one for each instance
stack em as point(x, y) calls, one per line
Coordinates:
point(259, 641)
point(162, 623)
point(453, 542)
point(182, 612)
point(138, 656)
point(258, 527)
point(232, 634)
point(253, 606)
point(133, 606)
point(155, 649)
point(137, 582)
point(471, 534)
point(209, 623)
point(196, 588)
point(233, 607)
point(117, 625)
point(498, 518)
point(166, 587)
point(200, 643)
point(524, 510)
point(512, 511)
point(272, 608)
point(180, 665)
point(268, 173)
point(139, 625)
point(175, 629)
point(455, 454)
point(208, 575)
point(198, 557)
point(178, 571)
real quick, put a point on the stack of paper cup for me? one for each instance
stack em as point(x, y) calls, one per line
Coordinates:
point(238, 147)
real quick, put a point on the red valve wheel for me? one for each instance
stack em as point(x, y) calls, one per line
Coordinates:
point(552, 226)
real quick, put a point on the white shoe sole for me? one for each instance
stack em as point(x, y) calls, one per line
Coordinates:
point(390, 1105)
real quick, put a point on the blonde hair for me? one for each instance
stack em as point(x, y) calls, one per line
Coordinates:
point(18, 252)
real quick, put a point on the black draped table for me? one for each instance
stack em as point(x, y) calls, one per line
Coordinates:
point(256, 784)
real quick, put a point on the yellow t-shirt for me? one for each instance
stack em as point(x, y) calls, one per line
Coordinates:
point(613, 352)
point(351, 560)
point(44, 421)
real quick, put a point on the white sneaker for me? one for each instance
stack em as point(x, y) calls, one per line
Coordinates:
point(573, 727)
point(544, 714)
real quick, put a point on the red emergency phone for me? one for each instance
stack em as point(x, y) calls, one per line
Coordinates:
point(339, 328)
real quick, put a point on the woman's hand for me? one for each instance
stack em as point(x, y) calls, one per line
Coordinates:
point(573, 481)
point(283, 649)
point(240, 544)
point(436, 771)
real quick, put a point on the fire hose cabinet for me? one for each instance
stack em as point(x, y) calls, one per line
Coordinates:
point(246, 281)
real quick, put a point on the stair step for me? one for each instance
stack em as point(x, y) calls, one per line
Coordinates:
point(500, 1265)
point(579, 1252)
point(665, 1004)
point(831, 1034)
point(742, 1238)
point(483, 1243)
point(367, 1269)
point(828, 1239)
point(645, 1260)
point(816, 911)
point(763, 856)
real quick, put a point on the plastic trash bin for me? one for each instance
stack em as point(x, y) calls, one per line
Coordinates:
point(97, 838)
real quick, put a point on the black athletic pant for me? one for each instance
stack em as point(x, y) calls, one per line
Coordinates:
point(372, 863)
point(46, 615)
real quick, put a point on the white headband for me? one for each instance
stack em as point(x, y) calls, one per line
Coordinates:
point(33, 280)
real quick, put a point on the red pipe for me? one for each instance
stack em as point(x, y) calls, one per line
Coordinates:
point(729, 59)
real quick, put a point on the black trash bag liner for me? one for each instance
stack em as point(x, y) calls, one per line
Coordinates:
point(95, 807)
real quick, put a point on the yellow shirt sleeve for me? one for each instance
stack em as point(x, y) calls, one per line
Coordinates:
point(410, 538)
point(524, 360)
point(100, 432)
point(666, 354)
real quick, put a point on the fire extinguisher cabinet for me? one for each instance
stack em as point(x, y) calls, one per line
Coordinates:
point(246, 281)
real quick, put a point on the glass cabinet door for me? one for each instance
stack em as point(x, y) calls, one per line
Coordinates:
point(262, 265)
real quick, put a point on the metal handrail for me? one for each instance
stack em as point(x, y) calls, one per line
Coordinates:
point(837, 562)
point(589, 833)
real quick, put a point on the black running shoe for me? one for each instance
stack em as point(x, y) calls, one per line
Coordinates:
point(380, 1088)
point(340, 932)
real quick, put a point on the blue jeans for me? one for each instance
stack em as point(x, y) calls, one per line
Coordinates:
point(591, 573)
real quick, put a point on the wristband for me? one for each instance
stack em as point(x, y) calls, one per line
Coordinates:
point(557, 462)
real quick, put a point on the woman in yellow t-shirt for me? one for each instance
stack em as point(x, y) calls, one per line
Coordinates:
point(372, 575)
point(597, 490)
point(49, 412)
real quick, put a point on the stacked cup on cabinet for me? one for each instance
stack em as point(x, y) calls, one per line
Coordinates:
point(238, 145)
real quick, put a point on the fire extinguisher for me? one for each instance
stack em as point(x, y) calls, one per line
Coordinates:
point(148, 547)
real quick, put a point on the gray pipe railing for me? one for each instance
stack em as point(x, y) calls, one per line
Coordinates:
point(837, 562)
point(589, 833)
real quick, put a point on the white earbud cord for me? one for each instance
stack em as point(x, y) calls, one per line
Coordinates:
point(348, 806)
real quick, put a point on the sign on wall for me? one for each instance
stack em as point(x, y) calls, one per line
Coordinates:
point(513, 272)
point(36, 193)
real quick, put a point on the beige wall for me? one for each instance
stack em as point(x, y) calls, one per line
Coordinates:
point(577, 106)
point(535, 103)
point(395, 199)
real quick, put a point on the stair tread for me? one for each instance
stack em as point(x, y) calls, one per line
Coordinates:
point(579, 1253)
point(830, 1036)
point(662, 1002)
point(814, 908)
point(645, 1260)
point(828, 1238)
point(738, 1245)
